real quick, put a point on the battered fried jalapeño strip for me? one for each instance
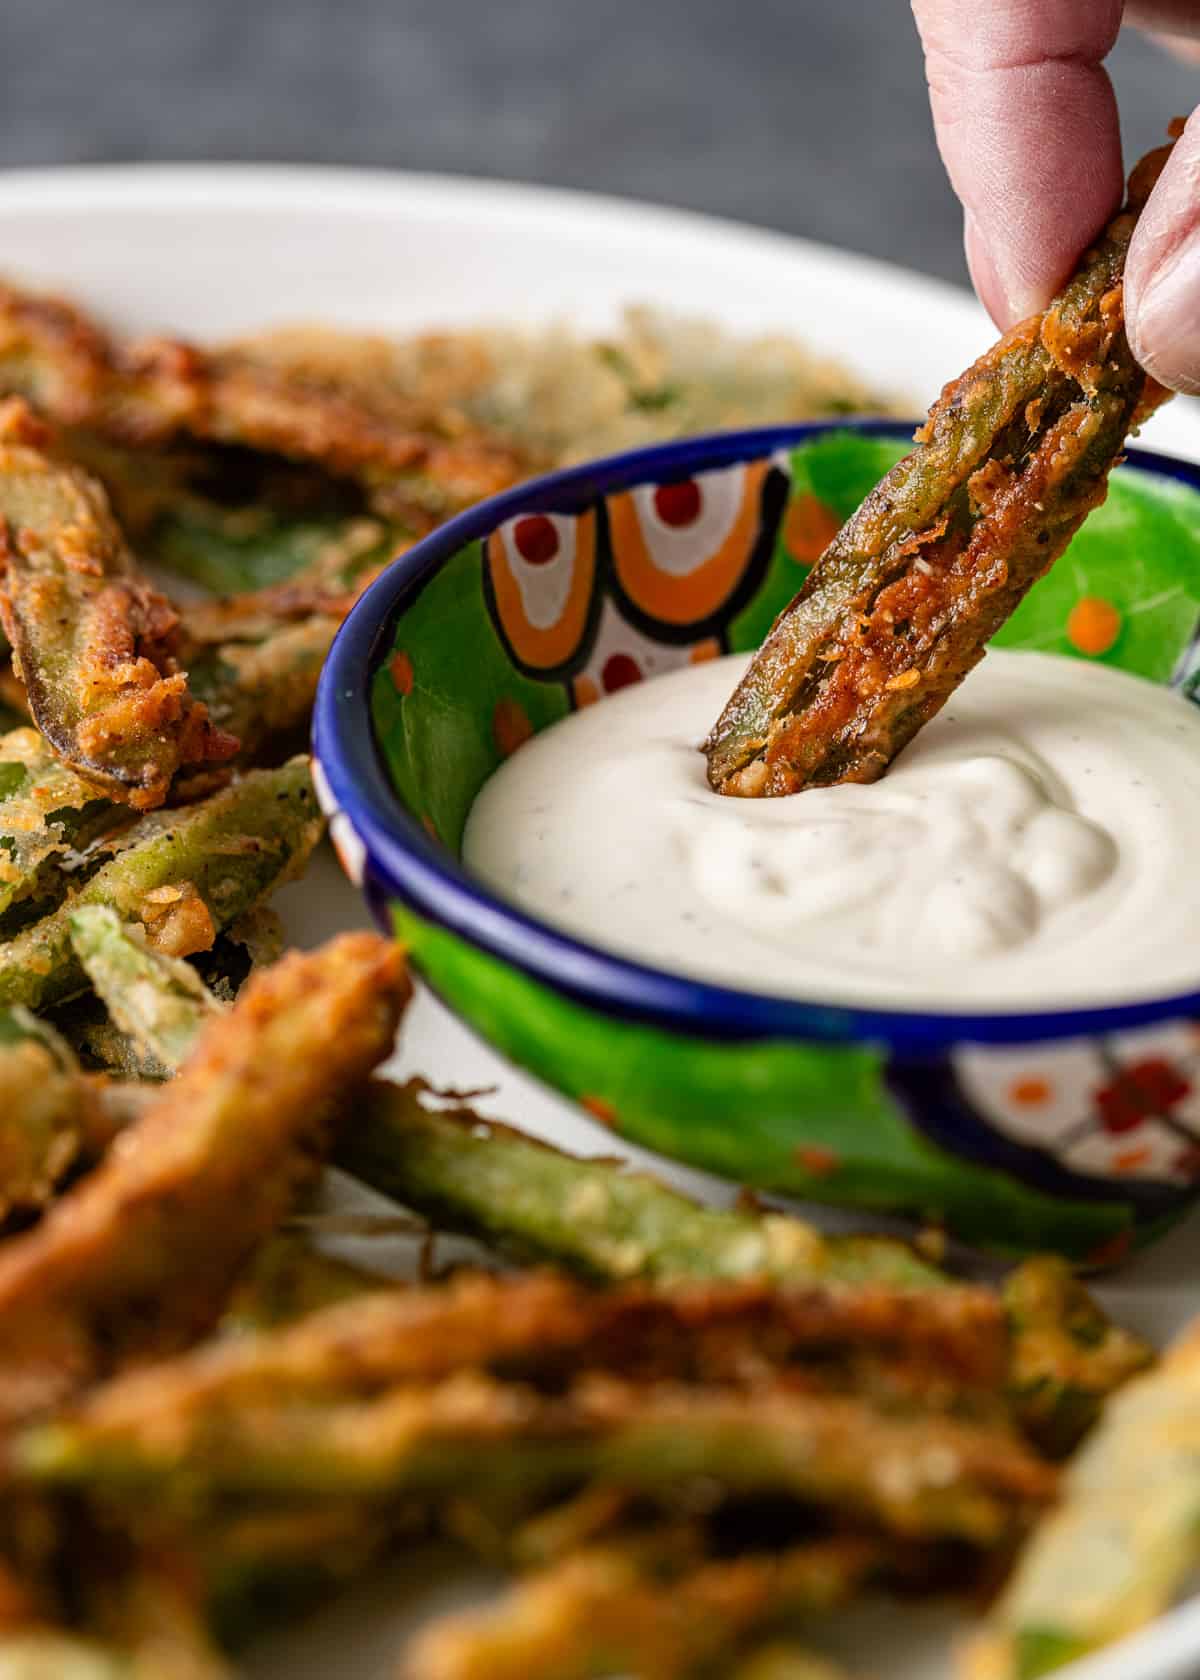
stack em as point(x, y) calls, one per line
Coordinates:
point(163, 391)
point(94, 643)
point(138, 1258)
point(1014, 455)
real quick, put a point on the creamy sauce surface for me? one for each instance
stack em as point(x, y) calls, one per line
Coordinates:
point(1033, 847)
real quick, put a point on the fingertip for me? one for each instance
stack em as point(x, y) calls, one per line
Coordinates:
point(1034, 152)
point(984, 275)
point(1162, 272)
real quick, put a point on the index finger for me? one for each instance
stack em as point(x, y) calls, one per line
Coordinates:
point(1027, 127)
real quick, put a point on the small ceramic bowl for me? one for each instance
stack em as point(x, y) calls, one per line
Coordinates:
point(1077, 1128)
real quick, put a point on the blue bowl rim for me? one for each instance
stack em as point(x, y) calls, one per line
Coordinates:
point(404, 863)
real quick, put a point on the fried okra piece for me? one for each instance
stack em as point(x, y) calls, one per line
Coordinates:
point(1124, 1538)
point(651, 1607)
point(1014, 455)
point(182, 874)
point(138, 1258)
point(920, 1476)
point(93, 643)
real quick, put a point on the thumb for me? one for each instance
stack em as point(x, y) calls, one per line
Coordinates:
point(1162, 271)
point(1027, 127)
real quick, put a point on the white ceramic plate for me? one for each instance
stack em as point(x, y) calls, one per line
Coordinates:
point(214, 251)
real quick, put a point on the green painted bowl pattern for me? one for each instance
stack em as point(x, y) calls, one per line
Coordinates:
point(1088, 1141)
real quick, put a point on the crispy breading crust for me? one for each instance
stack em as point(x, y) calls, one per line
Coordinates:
point(181, 873)
point(746, 1336)
point(1014, 455)
point(161, 390)
point(912, 1473)
point(140, 1255)
point(93, 643)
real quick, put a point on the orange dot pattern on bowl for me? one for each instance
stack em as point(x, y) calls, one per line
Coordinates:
point(808, 529)
point(542, 571)
point(1093, 625)
point(511, 727)
point(676, 590)
point(1032, 1092)
point(401, 669)
point(817, 1160)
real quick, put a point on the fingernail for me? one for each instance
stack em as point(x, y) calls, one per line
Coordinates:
point(1164, 328)
point(985, 275)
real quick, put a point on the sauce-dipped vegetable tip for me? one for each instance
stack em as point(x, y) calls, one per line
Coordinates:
point(1014, 455)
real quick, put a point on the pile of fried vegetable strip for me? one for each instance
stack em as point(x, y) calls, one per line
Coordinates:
point(688, 1433)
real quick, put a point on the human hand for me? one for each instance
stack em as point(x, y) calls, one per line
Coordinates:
point(1027, 127)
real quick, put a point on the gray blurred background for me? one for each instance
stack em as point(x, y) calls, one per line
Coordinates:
point(795, 114)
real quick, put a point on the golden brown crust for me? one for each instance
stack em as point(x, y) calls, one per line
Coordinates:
point(92, 642)
point(160, 390)
point(138, 1257)
point(899, 608)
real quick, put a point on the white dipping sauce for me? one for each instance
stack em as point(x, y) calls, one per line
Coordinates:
point(1033, 847)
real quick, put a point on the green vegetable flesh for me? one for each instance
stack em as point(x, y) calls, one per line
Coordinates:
point(233, 847)
point(160, 1003)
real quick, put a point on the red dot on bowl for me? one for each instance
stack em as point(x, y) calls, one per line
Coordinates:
point(678, 504)
point(619, 671)
point(536, 539)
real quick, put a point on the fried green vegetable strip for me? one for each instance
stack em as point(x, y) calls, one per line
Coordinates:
point(1123, 1540)
point(47, 812)
point(139, 1257)
point(263, 691)
point(239, 550)
point(50, 1113)
point(104, 1048)
point(157, 1000)
point(254, 658)
point(544, 1325)
point(230, 850)
point(92, 642)
point(487, 1180)
point(1014, 455)
point(482, 1178)
point(1067, 1354)
point(649, 1608)
point(160, 392)
point(914, 1475)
